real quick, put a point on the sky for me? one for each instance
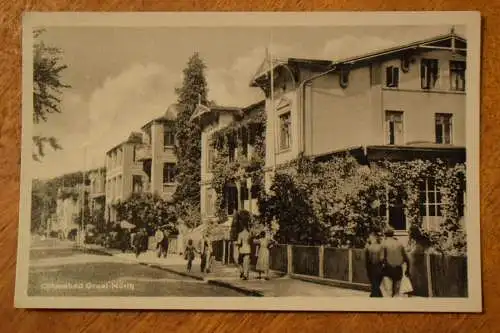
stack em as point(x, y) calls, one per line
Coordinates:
point(123, 77)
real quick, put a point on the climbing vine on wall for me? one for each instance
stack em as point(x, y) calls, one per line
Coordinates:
point(231, 171)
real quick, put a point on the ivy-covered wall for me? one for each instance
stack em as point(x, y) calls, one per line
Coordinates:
point(230, 168)
point(337, 203)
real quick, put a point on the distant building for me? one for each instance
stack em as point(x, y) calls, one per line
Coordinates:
point(124, 174)
point(402, 103)
point(97, 190)
point(69, 205)
point(156, 153)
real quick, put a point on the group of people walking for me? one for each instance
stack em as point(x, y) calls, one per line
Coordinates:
point(243, 249)
point(387, 265)
point(138, 241)
point(206, 253)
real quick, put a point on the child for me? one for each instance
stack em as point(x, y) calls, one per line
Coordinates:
point(189, 254)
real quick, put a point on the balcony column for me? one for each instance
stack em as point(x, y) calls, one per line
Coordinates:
point(249, 191)
point(238, 193)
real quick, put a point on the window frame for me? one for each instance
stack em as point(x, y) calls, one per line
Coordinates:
point(429, 73)
point(169, 132)
point(392, 76)
point(457, 74)
point(387, 127)
point(282, 115)
point(442, 118)
point(166, 172)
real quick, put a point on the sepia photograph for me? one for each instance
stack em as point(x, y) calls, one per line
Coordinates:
point(250, 161)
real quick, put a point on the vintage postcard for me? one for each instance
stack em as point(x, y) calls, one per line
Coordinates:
point(250, 161)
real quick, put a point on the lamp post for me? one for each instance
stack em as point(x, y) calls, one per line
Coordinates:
point(84, 173)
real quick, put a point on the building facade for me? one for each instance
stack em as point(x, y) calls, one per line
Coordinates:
point(398, 104)
point(156, 154)
point(69, 206)
point(124, 174)
point(97, 194)
point(230, 139)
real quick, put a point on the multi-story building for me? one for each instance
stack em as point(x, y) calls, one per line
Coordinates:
point(97, 189)
point(69, 205)
point(402, 103)
point(225, 126)
point(124, 174)
point(157, 155)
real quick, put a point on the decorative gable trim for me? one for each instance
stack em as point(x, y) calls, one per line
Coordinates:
point(283, 103)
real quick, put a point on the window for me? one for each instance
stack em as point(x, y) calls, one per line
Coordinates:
point(393, 210)
point(243, 191)
point(255, 191)
point(231, 199)
point(231, 142)
point(394, 127)
point(244, 141)
point(429, 71)
point(168, 173)
point(168, 136)
point(392, 77)
point(210, 156)
point(134, 153)
point(430, 198)
point(136, 184)
point(457, 75)
point(443, 128)
point(210, 203)
point(285, 130)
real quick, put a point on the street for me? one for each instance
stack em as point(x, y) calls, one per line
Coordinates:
point(58, 269)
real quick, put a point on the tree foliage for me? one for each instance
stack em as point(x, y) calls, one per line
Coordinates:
point(44, 195)
point(47, 89)
point(188, 137)
point(149, 211)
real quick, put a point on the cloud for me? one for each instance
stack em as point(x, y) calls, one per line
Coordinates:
point(89, 127)
point(126, 102)
point(230, 85)
point(348, 46)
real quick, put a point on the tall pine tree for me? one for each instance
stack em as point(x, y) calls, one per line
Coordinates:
point(188, 145)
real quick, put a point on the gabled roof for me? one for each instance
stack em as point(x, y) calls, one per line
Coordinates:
point(169, 115)
point(133, 138)
point(203, 109)
point(446, 41)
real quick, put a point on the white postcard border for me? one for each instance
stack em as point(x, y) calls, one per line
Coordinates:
point(473, 303)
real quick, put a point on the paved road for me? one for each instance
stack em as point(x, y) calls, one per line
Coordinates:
point(56, 269)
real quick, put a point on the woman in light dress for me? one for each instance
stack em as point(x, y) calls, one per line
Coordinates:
point(264, 242)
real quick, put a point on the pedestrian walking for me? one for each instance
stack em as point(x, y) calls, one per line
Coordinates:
point(374, 263)
point(264, 243)
point(243, 243)
point(165, 243)
point(159, 236)
point(394, 257)
point(208, 254)
point(189, 254)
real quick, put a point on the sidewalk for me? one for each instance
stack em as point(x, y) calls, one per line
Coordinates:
point(228, 276)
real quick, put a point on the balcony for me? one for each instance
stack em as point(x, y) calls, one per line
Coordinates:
point(143, 153)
